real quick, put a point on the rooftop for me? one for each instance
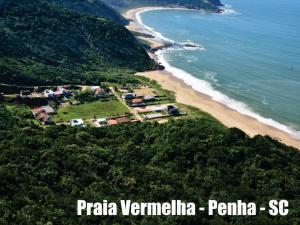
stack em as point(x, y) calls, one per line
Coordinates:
point(77, 122)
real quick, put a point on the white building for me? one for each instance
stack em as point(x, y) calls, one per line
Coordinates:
point(77, 122)
point(48, 93)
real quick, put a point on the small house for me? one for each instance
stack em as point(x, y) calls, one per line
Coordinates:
point(128, 96)
point(25, 93)
point(99, 92)
point(48, 109)
point(58, 94)
point(48, 93)
point(36, 95)
point(137, 101)
point(94, 88)
point(149, 98)
point(77, 122)
point(44, 118)
point(153, 116)
point(159, 108)
point(172, 110)
point(37, 111)
point(100, 122)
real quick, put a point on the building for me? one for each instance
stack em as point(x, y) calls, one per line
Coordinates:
point(149, 98)
point(99, 92)
point(44, 118)
point(25, 93)
point(36, 95)
point(44, 109)
point(128, 96)
point(77, 122)
point(37, 111)
point(58, 94)
point(48, 93)
point(153, 116)
point(94, 88)
point(61, 92)
point(137, 101)
point(159, 108)
point(100, 122)
point(172, 110)
point(48, 109)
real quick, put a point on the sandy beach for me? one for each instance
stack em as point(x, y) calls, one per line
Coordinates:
point(135, 26)
point(186, 95)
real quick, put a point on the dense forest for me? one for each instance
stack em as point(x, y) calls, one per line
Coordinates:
point(194, 4)
point(92, 8)
point(44, 171)
point(42, 43)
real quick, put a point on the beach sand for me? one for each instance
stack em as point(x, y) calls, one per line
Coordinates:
point(135, 26)
point(186, 95)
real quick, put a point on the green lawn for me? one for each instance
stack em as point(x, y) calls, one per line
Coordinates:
point(90, 110)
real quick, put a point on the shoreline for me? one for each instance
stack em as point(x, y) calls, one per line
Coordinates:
point(185, 94)
point(135, 26)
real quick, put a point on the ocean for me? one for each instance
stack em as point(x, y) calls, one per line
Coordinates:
point(247, 58)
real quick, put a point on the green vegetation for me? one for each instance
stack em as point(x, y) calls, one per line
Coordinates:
point(96, 109)
point(12, 117)
point(92, 8)
point(44, 171)
point(44, 44)
point(192, 112)
point(160, 91)
point(195, 4)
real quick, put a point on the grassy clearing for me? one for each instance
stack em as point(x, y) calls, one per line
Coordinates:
point(193, 112)
point(160, 91)
point(90, 110)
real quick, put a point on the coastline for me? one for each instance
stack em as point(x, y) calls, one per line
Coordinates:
point(187, 95)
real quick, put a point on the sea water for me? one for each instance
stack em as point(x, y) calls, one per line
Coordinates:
point(247, 57)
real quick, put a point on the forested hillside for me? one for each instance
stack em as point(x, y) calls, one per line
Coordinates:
point(92, 8)
point(197, 4)
point(44, 44)
point(44, 171)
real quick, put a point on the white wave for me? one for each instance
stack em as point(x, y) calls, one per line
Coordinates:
point(191, 59)
point(159, 36)
point(205, 87)
point(228, 10)
point(189, 45)
point(152, 30)
point(211, 76)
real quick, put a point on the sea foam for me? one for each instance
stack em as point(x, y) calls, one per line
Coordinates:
point(228, 10)
point(150, 29)
point(205, 87)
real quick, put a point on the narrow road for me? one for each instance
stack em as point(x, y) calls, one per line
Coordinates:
point(131, 110)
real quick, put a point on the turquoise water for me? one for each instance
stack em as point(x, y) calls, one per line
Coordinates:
point(251, 55)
